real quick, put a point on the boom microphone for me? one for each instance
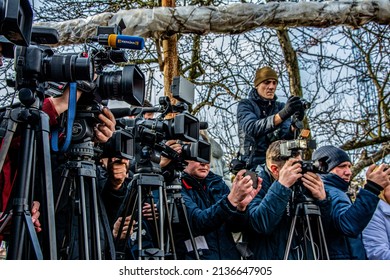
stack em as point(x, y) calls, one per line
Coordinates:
point(120, 41)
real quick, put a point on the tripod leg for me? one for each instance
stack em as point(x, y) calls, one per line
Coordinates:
point(93, 229)
point(169, 214)
point(290, 237)
point(22, 187)
point(95, 232)
point(11, 128)
point(312, 243)
point(46, 183)
point(180, 201)
point(322, 238)
point(84, 242)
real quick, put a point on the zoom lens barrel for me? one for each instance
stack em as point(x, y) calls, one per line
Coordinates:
point(67, 68)
point(126, 85)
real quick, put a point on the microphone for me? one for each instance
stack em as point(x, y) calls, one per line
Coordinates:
point(120, 41)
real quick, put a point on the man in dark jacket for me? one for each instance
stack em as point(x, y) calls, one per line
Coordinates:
point(348, 219)
point(262, 119)
point(272, 210)
point(213, 211)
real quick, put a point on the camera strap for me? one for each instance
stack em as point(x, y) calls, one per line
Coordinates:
point(69, 123)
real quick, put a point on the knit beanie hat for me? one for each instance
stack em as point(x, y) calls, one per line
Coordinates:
point(263, 74)
point(332, 155)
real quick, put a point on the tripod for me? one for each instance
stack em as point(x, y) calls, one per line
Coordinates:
point(174, 202)
point(34, 148)
point(146, 181)
point(86, 208)
point(307, 213)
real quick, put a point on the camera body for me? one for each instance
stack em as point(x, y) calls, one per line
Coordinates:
point(148, 136)
point(36, 64)
point(292, 148)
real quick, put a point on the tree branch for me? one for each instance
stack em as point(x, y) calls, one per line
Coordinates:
point(231, 19)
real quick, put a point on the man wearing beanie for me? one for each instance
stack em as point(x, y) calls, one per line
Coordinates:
point(344, 230)
point(262, 119)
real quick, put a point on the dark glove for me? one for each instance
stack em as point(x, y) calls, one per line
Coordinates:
point(300, 114)
point(293, 105)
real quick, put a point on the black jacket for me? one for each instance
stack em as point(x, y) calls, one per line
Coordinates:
point(255, 118)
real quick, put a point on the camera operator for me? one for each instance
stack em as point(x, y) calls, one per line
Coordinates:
point(213, 211)
point(262, 119)
point(270, 211)
point(349, 219)
point(53, 107)
point(111, 192)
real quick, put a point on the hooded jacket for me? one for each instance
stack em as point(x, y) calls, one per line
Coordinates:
point(348, 219)
point(256, 128)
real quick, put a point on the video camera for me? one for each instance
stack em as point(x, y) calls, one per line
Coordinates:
point(16, 18)
point(292, 148)
point(127, 84)
point(138, 132)
point(38, 63)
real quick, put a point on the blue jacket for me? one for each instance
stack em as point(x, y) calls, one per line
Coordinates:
point(270, 214)
point(210, 215)
point(376, 236)
point(255, 118)
point(343, 235)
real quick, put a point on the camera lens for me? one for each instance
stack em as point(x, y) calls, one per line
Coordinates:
point(67, 68)
point(126, 85)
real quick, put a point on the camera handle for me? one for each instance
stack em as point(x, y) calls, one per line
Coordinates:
point(35, 147)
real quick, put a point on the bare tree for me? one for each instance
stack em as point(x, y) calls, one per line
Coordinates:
point(342, 72)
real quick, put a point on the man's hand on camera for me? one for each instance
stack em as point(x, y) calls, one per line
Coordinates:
point(290, 172)
point(314, 184)
point(292, 106)
point(104, 130)
point(173, 144)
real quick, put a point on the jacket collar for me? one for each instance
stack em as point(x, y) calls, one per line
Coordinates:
point(336, 181)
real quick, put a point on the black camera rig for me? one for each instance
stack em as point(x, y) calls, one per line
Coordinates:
point(136, 133)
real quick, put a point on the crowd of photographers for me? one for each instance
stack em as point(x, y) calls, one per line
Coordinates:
point(169, 198)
